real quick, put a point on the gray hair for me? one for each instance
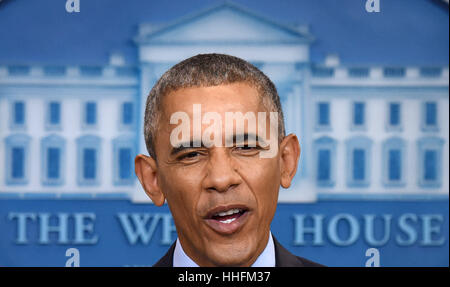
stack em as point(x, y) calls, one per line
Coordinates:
point(205, 70)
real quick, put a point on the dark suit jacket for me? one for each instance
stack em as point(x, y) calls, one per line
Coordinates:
point(283, 258)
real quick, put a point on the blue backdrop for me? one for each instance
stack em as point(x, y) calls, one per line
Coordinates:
point(119, 233)
point(63, 65)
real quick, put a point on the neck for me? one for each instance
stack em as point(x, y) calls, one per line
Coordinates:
point(202, 260)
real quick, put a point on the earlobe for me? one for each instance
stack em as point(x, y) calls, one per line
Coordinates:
point(290, 153)
point(146, 170)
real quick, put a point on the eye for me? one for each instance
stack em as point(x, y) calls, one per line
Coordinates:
point(247, 149)
point(190, 156)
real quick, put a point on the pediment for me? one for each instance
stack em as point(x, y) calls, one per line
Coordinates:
point(226, 23)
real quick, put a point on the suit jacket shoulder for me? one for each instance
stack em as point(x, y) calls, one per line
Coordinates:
point(167, 259)
point(283, 258)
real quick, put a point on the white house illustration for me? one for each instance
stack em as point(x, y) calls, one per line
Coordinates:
point(365, 131)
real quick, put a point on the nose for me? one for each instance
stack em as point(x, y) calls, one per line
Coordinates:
point(222, 172)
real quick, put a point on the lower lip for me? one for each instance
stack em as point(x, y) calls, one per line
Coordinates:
point(228, 228)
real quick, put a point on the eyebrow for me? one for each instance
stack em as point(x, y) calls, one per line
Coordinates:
point(190, 145)
point(246, 137)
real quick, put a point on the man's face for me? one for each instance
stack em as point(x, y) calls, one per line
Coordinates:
point(203, 185)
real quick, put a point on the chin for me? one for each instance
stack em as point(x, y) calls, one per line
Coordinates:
point(232, 256)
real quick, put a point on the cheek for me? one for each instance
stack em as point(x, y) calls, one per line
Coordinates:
point(175, 179)
point(181, 190)
point(263, 178)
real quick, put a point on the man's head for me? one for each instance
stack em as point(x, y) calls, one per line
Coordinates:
point(206, 70)
point(222, 198)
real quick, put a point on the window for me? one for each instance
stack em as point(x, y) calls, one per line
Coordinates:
point(324, 170)
point(322, 72)
point(90, 118)
point(393, 72)
point(430, 115)
point(124, 163)
point(123, 153)
point(359, 158)
point(394, 165)
point(358, 72)
point(358, 161)
point(53, 163)
point(430, 162)
point(91, 71)
point(325, 150)
point(18, 115)
point(430, 72)
point(127, 113)
point(16, 150)
point(89, 163)
point(18, 70)
point(126, 71)
point(18, 162)
point(323, 115)
point(54, 71)
point(53, 115)
point(359, 114)
point(89, 148)
point(394, 116)
point(52, 160)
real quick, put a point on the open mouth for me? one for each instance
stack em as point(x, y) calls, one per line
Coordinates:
point(229, 216)
point(227, 220)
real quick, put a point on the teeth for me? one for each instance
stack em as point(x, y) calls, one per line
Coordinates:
point(228, 220)
point(229, 212)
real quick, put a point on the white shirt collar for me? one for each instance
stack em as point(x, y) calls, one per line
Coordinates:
point(265, 259)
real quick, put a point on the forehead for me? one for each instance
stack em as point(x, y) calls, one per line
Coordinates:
point(222, 98)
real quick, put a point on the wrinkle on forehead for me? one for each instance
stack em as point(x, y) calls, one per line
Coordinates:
point(220, 101)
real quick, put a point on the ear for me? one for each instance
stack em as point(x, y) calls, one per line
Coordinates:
point(146, 170)
point(289, 155)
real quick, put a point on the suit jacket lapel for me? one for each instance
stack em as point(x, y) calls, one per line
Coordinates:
point(167, 259)
point(284, 258)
